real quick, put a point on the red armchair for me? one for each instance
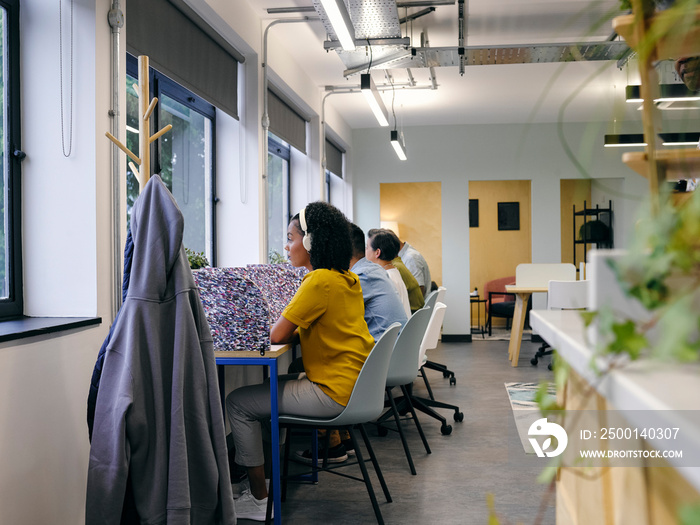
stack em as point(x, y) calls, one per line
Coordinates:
point(498, 302)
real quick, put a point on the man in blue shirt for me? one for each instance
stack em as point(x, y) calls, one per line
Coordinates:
point(382, 303)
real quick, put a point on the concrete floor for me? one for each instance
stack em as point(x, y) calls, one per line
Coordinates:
point(482, 456)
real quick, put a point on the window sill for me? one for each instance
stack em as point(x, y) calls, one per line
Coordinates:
point(32, 326)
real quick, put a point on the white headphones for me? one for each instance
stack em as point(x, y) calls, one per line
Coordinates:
point(306, 241)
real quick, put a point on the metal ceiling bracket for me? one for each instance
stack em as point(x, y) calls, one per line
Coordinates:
point(416, 15)
point(424, 3)
point(290, 10)
point(405, 42)
point(386, 61)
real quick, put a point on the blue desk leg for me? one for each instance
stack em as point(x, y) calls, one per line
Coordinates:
point(221, 371)
point(274, 418)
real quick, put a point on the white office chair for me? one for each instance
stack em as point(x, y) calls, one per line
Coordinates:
point(441, 294)
point(434, 297)
point(430, 340)
point(563, 295)
point(430, 299)
point(365, 404)
point(404, 365)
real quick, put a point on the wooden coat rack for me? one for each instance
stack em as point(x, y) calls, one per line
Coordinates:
point(143, 160)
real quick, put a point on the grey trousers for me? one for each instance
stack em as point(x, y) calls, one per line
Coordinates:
point(247, 407)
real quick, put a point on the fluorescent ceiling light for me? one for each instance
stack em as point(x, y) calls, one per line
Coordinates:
point(374, 99)
point(667, 93)
point(340, 20)
point(399, 146)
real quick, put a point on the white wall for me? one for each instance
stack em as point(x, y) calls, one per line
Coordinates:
point(455, 155)
point(67, 268)
point(62, 189)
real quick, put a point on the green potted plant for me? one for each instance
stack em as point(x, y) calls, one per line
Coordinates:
point(197, 260)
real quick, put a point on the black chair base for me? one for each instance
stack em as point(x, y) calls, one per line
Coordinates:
point(541, 352)
point(446, 372)
point(425, 406)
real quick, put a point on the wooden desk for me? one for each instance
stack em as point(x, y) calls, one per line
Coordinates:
point(269, 360)
point(522, 295)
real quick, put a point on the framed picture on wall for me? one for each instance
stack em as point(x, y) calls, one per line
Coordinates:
point(473, 213)
point(508, 215)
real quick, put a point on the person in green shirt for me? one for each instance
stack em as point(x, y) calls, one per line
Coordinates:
point(415, 296)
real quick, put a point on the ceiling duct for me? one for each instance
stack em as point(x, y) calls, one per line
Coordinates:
point(376, 24)
point(493, 55)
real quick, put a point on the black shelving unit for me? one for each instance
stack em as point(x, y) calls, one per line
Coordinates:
point(599, 230)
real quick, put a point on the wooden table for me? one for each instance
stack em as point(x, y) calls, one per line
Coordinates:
point(522, 295)
point(269, 359)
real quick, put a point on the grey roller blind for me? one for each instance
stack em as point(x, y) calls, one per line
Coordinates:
point(334, 159)
point(179, 48)
point(285, 122)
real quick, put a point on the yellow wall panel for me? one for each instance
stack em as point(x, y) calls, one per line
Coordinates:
point(493, 253)
point(417, 208)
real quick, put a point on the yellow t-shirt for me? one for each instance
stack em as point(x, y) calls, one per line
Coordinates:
point(335, 341)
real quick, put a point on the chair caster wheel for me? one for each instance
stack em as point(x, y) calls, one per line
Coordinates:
point(382, 431)
point(446, 429)
point(459, 416)
point(445, 375)
point(453, 381)
point(534, 361)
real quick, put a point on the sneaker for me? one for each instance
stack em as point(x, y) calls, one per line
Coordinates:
point(336, 454)
point(249, 508)
point(349, 447)
point(244, 486)
point(240, 488)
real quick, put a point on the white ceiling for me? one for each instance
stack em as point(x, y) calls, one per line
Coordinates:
point(519, 93)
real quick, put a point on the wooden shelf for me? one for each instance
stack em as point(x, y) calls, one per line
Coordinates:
point(679, 163)
point(682, 36)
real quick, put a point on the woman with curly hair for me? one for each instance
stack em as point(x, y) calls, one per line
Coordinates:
point(327, 313)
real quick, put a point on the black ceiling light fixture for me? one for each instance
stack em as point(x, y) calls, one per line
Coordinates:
point(631, 140)
point(667, 93)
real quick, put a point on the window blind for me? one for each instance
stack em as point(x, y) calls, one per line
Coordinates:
point(334, 159)
point(178, 47)
point(285, 122)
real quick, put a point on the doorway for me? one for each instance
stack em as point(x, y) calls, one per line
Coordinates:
point(498, 241)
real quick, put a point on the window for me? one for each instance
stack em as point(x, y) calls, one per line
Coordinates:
point(334, 167)
point(278, 215)
point(11, 301)
point(184, 157)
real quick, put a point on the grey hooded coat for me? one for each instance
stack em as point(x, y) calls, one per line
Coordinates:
point(158, 416)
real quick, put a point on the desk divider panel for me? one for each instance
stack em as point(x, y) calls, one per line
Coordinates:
point(241, 304)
